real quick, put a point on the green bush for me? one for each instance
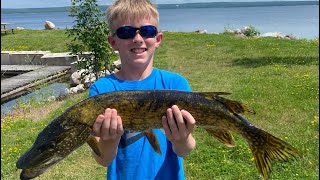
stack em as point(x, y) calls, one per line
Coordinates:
point(251, 31)
point(89, 35)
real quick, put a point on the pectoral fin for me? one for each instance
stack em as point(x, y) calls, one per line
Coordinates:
point(222, 135)
point(93, 143)
point(153, 140)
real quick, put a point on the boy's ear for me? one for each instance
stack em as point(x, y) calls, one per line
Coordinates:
point(159, 39)
point(112, 43)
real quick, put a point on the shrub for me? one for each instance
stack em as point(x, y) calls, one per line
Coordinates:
point(251, 31)
point(89, 34)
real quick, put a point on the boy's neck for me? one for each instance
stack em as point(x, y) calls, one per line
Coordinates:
point(137, 74)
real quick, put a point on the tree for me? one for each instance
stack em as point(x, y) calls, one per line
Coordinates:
point(89, 33)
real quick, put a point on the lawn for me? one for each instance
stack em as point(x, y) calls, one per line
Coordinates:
point(277, 78)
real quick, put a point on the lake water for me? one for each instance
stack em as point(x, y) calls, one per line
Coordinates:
point(300, 19)
point(39, 95)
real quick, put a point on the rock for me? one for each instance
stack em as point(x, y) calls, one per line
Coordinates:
point(116, 64)
point(19, 28)
point(240, 35)
point(290, 36)
point(237, 31)
point(244, 29)
point(272, 34)
point(51, 98)
point(228, 31)
point(88, 80)
point(80, 88)
point(115, 70)
point(103, 73)
point(73, 90)
point(76, 77)
point(202, 31)
point(49, 25)
point(84, 77)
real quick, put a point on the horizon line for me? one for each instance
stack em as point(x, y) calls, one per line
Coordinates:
point(270, 1)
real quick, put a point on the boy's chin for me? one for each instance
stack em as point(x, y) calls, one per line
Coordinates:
point(140, 63)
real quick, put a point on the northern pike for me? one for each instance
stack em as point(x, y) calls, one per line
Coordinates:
point(141, 111)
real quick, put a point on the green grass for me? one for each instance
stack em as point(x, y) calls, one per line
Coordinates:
point(278, 78)
point(35, 40)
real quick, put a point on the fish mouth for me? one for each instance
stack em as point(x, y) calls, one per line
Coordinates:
point(34, 159)
point(33, 165)
point(27, 174)
point(33, 172)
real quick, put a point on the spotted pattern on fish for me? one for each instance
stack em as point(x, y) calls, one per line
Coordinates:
point(141, 111)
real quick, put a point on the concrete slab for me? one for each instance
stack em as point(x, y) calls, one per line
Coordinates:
point(5, 57)
point(58, 59)
point(27, 57)
point(18, 68)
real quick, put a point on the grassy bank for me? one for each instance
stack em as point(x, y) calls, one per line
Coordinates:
point(278, 78)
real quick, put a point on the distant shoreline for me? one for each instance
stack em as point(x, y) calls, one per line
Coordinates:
point(174, 6)
point(287, 18)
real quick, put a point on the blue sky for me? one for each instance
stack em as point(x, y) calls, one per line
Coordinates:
point(61, 3)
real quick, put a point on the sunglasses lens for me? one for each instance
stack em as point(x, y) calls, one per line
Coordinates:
point(127, 32)
point(148, 31)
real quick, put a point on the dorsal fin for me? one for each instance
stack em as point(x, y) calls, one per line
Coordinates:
point(212, 95)
point(234, 106)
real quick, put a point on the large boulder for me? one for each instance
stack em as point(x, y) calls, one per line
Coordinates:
point(76, 77)
point(49, 25)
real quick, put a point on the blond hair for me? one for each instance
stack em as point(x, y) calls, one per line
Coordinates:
point(130, 10)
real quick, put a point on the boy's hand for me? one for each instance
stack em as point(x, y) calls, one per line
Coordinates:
point(178, 126)
point(108, 131)
point(108, 126)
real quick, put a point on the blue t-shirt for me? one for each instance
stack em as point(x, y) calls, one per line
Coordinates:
point(135, 158)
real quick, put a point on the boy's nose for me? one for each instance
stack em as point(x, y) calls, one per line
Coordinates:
point(137, 37)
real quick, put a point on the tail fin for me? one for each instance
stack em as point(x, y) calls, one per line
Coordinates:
point(266, 147)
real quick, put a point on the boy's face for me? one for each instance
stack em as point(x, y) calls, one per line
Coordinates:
point(137, 51)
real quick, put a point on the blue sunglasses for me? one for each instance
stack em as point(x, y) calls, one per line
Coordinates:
point(128, 32)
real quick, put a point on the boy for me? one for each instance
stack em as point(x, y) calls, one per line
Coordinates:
point(134, 25)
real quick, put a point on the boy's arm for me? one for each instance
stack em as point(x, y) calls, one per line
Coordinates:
point(183, 148)
point(108, 150)
point(108, 131)
point(178, 126)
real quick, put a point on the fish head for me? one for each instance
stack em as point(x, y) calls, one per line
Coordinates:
point(54, 143)
point(39, 157)
point(30, 172)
